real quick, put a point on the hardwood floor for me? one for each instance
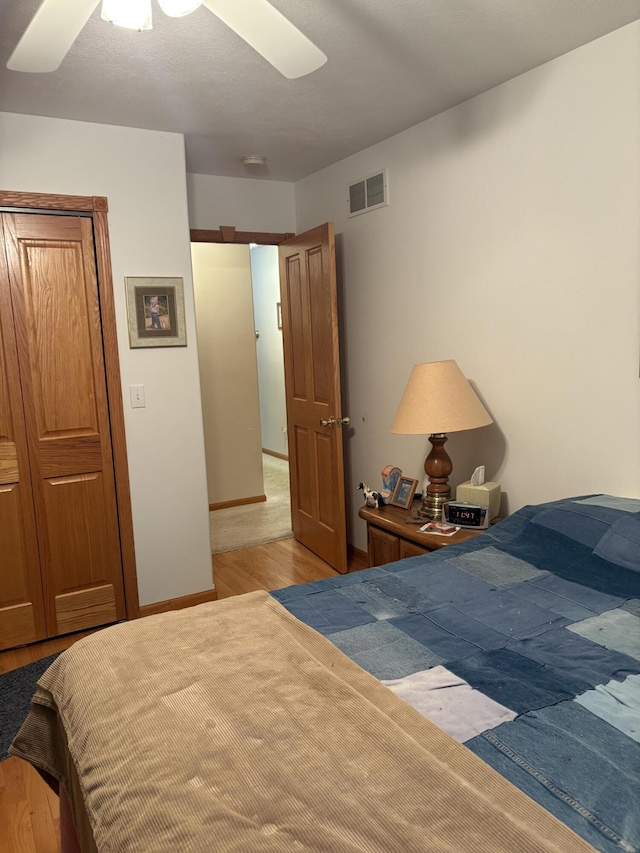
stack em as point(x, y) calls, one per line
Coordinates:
point(29, 811)
point(15, 658)
point(270, 566)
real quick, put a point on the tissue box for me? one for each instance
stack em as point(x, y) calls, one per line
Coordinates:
point(488, 494)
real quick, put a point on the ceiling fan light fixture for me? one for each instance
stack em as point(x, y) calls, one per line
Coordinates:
point(131, 14)
point(179, 8)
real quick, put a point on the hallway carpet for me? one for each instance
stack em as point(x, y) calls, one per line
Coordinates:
point(254, 524)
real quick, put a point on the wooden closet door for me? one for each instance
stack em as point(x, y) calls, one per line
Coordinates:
point(59, 340)
point(21, 606)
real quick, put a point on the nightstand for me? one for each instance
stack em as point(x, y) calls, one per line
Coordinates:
point(390, 538)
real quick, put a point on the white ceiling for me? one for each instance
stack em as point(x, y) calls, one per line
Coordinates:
point(392, 64)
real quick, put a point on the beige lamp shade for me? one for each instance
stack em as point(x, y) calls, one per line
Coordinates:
point(438, 399)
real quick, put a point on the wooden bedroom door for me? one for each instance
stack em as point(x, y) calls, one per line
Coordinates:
point(312, 388)
point(58, 339)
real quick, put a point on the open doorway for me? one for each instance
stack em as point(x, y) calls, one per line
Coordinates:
point(315, 419)
point(242, 384)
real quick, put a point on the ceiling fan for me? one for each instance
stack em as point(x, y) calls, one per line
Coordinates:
point(58, 23)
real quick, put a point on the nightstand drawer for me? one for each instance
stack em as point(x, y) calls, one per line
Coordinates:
point(409, 549)
point(383, 547)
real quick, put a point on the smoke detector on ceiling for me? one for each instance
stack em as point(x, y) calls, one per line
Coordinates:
point(254, 160)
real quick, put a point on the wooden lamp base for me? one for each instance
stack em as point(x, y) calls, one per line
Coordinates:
point(437, 467)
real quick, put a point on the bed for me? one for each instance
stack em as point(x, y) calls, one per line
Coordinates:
point(482, 697)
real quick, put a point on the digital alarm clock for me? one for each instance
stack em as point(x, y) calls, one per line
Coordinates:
point(465, 514)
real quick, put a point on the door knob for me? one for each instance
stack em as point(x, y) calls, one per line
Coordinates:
point(329, 422)
point(343, 421)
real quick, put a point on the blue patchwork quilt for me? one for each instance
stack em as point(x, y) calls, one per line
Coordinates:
point(524, 643)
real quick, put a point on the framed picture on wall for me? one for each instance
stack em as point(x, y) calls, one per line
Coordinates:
point(155, 308)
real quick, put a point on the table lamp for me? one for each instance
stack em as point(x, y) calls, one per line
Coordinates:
point(437, 400)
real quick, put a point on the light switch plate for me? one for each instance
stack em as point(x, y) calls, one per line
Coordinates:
point(137, 396)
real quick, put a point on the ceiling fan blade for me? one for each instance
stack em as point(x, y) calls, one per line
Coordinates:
point(269, 33)
point(52, 31)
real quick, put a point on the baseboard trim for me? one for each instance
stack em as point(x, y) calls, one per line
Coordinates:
point(255, 499)
point(179, 603)
point(354, 553)
point(274, 453)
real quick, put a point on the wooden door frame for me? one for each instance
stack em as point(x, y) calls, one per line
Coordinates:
point(97, 207)
point(228, 234)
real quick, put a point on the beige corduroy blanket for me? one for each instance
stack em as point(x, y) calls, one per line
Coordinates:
point(234, 727)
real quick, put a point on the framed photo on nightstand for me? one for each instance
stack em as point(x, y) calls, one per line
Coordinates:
point(404, 491)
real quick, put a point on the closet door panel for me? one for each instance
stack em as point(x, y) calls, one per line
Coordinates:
point(57, 320)
point(21, 605)
point(78, 551)
point(9, 469)
point(58, 341)
point(21, 613)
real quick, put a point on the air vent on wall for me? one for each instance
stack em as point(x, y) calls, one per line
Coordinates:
point(368, 193)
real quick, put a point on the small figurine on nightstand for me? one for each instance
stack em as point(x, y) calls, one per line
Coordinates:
point(390, 476)
point(371, 498)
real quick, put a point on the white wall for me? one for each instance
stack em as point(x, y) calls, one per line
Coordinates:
point(512, 244)
point(249, 204)
point(265, 276)
point(228, 371)
point(143, 175)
